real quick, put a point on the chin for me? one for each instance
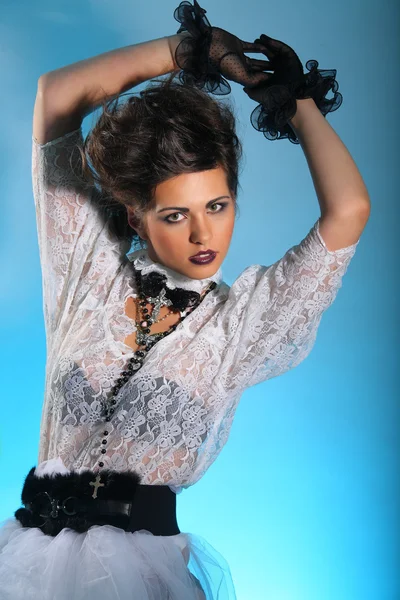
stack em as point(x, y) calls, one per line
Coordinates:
point(195, 271)
point(203, 271)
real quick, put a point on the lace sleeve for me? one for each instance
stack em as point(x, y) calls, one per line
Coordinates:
point(77, 251)
point(272, 314)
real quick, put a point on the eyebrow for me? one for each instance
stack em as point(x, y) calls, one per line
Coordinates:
point(185, 209)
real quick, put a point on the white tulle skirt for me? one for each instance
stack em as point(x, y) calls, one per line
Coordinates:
point(108, 563)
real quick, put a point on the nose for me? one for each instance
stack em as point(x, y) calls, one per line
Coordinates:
point(201, 231)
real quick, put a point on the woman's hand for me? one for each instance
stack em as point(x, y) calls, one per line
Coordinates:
point(227, 54)
point(285, 64)
point(280, 91)
point(210, 54)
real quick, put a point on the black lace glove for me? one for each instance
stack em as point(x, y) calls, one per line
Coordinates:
point(278, 92)
point(210, 53)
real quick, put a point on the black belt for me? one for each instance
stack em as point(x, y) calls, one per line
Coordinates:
point(80, 500)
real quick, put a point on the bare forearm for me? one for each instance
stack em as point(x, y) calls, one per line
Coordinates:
point(337, 180)
point(86, 83)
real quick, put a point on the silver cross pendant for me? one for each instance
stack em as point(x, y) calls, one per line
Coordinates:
point(158, 302)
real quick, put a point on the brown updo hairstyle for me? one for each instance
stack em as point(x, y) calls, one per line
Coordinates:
point(166, 130)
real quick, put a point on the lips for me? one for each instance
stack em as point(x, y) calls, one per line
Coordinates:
point(202, 258)
point(208, 251)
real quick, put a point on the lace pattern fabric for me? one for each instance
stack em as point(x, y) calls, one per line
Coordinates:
point(174, 415)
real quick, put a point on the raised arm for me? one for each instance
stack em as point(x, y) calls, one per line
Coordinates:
point(342, 195)
point(66, 95)
point(75, 241)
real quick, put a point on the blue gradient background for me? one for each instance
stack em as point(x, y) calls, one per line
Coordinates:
point(303, 501)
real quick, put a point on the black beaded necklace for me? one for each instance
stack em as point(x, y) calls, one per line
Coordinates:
point(152, 289)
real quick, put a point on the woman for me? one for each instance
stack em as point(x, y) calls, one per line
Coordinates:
point(149, 350)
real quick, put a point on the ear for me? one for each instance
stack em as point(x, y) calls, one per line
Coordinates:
point(135, 222)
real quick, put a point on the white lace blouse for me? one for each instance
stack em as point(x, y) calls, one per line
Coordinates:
point(174, 415)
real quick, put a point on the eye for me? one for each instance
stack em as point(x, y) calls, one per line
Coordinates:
point(221, 206)
point(168, 219)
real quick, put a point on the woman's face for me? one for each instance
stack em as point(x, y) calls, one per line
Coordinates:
point(192, 212)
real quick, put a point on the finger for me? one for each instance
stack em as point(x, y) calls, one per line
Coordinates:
point(253, 47)
point(272, 47)
point(263, 65)
point(267, 40)
point(265, 48)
